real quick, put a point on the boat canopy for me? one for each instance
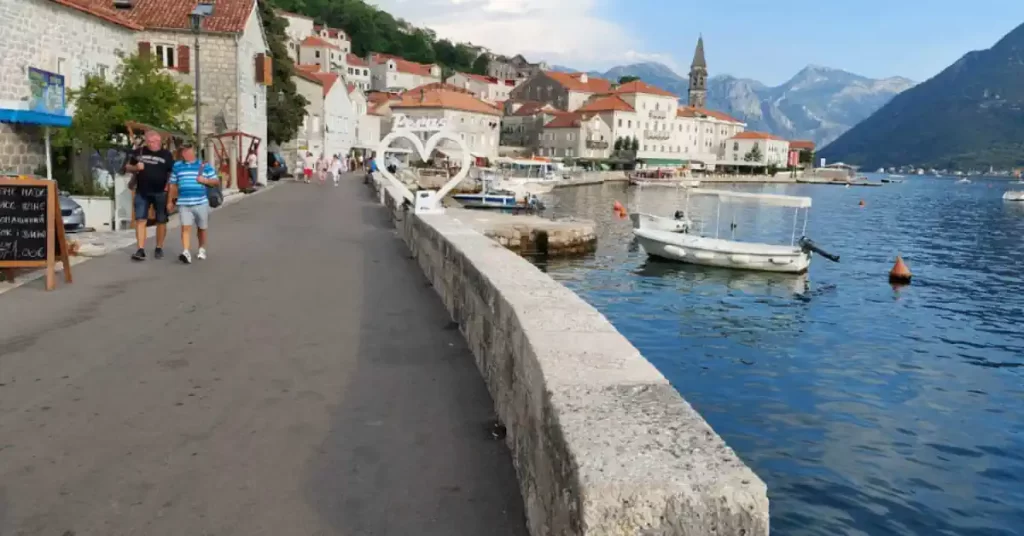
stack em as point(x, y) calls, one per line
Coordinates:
point(727, 196)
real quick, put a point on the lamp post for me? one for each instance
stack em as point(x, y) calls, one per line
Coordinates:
point(196, 20)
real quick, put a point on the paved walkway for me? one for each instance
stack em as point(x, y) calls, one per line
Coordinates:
point(303, 381)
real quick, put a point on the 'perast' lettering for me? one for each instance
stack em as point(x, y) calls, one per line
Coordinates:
point(421, 124)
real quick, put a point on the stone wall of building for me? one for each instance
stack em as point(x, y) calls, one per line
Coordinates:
point(252, 95)
point(48, 36)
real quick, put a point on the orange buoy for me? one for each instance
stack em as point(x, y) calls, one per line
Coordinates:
point(862, 203)
point(900, 273)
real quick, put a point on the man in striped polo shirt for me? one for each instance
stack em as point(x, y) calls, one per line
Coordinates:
point(189, 179)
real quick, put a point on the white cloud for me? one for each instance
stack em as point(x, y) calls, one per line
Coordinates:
point(561, 32)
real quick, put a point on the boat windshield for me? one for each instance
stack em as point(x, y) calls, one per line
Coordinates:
point(524, 168)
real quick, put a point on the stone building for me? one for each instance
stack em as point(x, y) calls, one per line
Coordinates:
point(329, 127)
point(577, 136)
point(357, 71)
point(514, 68)
point(75, 38)
point(487, 88)
point(565, 91)
point(232, 45)
point(523, 124)
point(315, 50)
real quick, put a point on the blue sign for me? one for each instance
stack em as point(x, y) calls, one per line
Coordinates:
point(47, 92)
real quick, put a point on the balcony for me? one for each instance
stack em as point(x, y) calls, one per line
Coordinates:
point(659, 114)
point(657, 134)
point(595, 144)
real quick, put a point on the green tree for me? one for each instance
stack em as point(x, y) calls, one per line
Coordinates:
point(627, 79)
point(142, 91)
point(618, 144)
point(480, 64)
point(286, 108)
point(636, 144)
point(754, 155)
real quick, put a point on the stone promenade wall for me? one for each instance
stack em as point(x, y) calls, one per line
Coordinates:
point(602, 443)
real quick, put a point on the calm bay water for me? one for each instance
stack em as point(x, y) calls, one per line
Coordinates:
point(866, 409)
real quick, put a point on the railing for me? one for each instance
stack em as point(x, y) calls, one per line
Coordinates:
point(659, 114)
point(595, 144)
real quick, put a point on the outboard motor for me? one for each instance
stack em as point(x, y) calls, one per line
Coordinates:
point(807, 244)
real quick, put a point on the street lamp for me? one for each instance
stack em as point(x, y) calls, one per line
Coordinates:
point(201, 11)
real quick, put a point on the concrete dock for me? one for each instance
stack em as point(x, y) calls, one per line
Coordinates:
point(305, 380)
point(531, 235)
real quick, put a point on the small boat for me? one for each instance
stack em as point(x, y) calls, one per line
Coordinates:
point(964, 180)
point(492, 197)
point(1013, 195)
point(892, 181)
point(671, 183)
point(526, 177)
point(673, 238)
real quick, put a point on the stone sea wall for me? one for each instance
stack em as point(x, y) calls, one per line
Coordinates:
point(601, 442)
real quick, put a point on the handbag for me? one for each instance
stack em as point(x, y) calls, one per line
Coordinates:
point(214, 195)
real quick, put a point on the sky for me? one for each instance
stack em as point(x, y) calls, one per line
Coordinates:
point(766, 41)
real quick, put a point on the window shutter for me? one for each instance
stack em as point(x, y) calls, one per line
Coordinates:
point(264, 69)
point(184, 54)
point(144, 49)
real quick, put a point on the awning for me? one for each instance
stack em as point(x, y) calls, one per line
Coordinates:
point(29, 117)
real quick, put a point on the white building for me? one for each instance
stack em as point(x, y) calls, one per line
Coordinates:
point(299, 27)
point(335, 37)
point(68, 38)
point(758, 149)
point(315, 50)
point(487, 88)
point(329, 127)
point(368, 123)
point(391, 73)
point(357, 71)
point(577, 136)
point(475, 121)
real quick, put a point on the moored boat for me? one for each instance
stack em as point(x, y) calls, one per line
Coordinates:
point(1013, 195)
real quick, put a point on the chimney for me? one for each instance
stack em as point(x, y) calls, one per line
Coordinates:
point(124, 4)
point(583, 78)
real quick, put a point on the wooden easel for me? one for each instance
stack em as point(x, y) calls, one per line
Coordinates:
point(56, 241)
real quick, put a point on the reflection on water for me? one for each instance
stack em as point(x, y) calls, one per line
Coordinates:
point(866, 409)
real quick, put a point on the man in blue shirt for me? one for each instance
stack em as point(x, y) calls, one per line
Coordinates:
point(189, 179)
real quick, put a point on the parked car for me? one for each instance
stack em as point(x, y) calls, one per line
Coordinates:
point(276, 167)
point(72, 213)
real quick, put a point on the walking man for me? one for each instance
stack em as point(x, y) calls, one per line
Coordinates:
point(307, 167)
point(152, 167)
point(188, 187)
point(336, 169)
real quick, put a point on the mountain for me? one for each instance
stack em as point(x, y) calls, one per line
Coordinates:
point(969, 116)
point(818, 103)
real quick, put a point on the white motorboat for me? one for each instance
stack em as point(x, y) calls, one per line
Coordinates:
point(964, 180)
point(674, 239)
point(671, 182)
point(1013, 195)
point(526, 177)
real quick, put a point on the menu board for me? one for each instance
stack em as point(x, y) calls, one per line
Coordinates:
point(23, 223)
point(31, 228)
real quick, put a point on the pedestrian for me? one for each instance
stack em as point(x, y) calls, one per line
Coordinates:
point(253, 163)
point(336, 169)
point(189, 181)
point(307, 167)
point(321, 168)
point(152, 167)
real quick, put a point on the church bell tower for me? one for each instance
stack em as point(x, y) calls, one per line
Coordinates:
point(699, 77)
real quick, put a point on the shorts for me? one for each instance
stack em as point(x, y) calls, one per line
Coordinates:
point(307, 172)
point(157, 200)
point(195, 216)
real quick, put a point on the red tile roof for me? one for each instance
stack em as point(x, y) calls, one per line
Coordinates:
point(403, 65)
point(315, 75)
point(689, 111)
point(228, 16)
point(444, 97)
point(333, 33)
point(802, 144)
point(567, 120)
point(103, 10)
point(439, 85)
point(639, 86)
point(314, 41)
point(751, 135)
point(607, 103)
point(355, 61)
point(488, 79)
point(351, 87)
point(574, 82)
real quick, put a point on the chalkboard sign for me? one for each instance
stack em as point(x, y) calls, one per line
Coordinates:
point(31, 228)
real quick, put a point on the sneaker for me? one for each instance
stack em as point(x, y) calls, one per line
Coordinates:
point(202, 254)
point(158, 253)
point(185, 257)
point(139, 255)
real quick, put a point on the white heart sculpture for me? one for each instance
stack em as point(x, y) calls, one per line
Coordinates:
point(424, 153)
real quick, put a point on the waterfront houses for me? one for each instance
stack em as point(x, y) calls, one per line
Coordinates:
point(476, 122)
point(392, 73)
point(329, 127)
point(756, 149)
point(74, 38)
point(523, 124)
point(486, 88)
